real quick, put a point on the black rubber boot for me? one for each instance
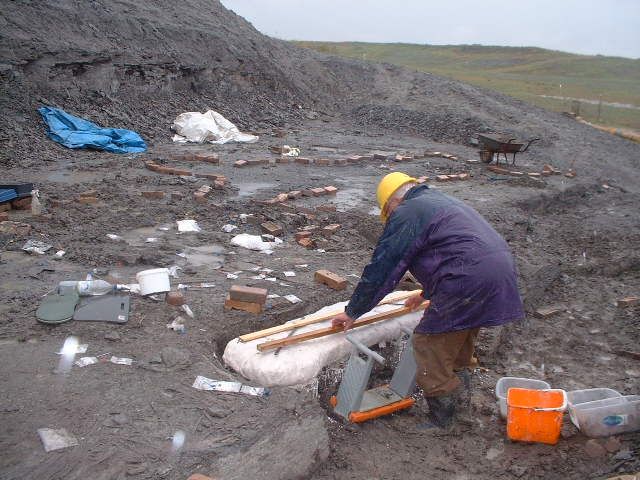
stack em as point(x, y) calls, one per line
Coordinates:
point(441, 412)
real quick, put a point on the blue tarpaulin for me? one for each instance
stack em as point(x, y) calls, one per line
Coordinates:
point(76, 132)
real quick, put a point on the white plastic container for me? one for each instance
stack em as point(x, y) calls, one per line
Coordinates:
point(153, 281)
point(576, 397)
point(505, 383)
point(609, 416)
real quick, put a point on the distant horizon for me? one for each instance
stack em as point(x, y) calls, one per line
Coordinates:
point(609, 28)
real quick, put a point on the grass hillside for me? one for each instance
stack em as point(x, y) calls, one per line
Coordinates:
point(546, 78)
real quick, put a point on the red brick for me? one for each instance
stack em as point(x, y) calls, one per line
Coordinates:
point(303, 160)
point(310, 228)
point(250, 307)
point(515, 173)
point(281, 197)
point(340, 161)
point(175, 298)
point(463, 176)
point(403, 158)
point(546, 312)
point(497, 169)
point(303, 234)
point(207, 157)
point(206, 189)
point(87, 200)
point(283, 160)
point(218, 184)
point(323, 162)
point(379, 156)
point(199, 476)
point(628, 302)
point(276, 149)
point(211, 176)
point(330, 229)
point(306, 192)
point(418, 155)
point(5, 206)
point(328, 208)
point(366, 157)
point(177, 196)
point(442, 178)
point(319, 191)
point(272, 229)
point(200, 197)
point(432, 154)
point(240, 163)
point(4, 216)
point(294, 194)
point(570, 174)
point(354, 159)
point(21, 203)
point(330, 190)
point(453, 177)
point(330, 279)
point(254, 162)
point(534, 174)
point(306, 243)
point(154, 194)
point(176, 171)
point(248, 294)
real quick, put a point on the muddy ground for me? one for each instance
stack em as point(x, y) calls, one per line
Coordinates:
point(575, 241)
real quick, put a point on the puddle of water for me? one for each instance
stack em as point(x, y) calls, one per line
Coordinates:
point(349, 198)
point(65, 176)
point(205, 256)
point(247, 189)
point(138, 236)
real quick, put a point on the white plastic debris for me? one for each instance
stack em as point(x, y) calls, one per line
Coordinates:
point(113, 236)
point(292, 298)
point(288, 151)
point(121, 360)
point(262, 276)
point(254, 242)
point(208, 127)
point(187, 310)
point(69, 350)
point(173, 270)
point(231, 276)
point(177, 441)
point(266, 270)
point(56, 439)
point(132, 287)
point(36, 246)
point(228, 228)
point(59, 254)
point(188, 226)
point(84, 361)
point(271, 296)
point(177, 325)
point(271, 279)
point(151, 239)
point(282, 284)
point(321, 250)
point(204, 383)
point(303, 265)
point(289, 274)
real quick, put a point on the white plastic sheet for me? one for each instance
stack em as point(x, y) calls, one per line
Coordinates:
point(254, 242)
point(300, 363)
point(208, 127)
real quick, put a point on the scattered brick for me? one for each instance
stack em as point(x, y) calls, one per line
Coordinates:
point(497, 169)
point(211, 176)
point(323, 162)
point(303, 160)
point(570, 174)
point(310, 228)
point(283, 160)
point(330, 190)
point(21, 203)
point(472, 161)
point(307, 243)
point(87, 200)
point(207, 157)
point(281, 197)
point(272, 229)
point(463, 176)
point(442, 178)
point(403, 158)
point(306, 192)
point(534, 174)
point(176, 171)
point(250, 307)
point(330, 279)
point(303, 234)
point(379, 156)
point(453, 177)
point(366, 157)
point(206, 189)
point(328, 208)
point(177, 196)
point(155, 194)
point(340, 161)
point(628, 302)
point(277, 149)
point(354, 159)
point(319, 191)
point(330, 229)
point(515, 173)
point(4, 216)
point(594, 449)
point(546, 312)
point(294, 194)
point(418, 156)
point(242, 293)
point(175, 298)
point(240, 163)
point(422, 179)
point(200, 197)
point(254, 162)
point(199, 476)
point(5, 206)
point(432, 154)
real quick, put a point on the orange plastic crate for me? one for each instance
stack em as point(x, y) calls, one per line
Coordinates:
point(535, 415)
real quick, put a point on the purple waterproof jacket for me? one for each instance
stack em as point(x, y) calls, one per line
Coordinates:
point(464, 265)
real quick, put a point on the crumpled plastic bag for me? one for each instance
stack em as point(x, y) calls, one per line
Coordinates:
point(254, 242)
point(208, 127)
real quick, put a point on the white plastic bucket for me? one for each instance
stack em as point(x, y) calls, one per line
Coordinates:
point(153, 281)
point(505, 383)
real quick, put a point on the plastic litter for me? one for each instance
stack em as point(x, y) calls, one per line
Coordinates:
point(232, 276)
point(84, 361)
point(36, 246)
point(289, 274)
point(188, 226)
point(271, 296)
point(228, 228)
point(155, 280)
point(173, 270)
point(208, 127)
point(204, 383)
point(76, 132)
point(56, 439)
point(86, 288)
point(292, 298)
point(185, 308)
point(113, 236)
point(288, 151)
point(271, 279)
point(59, 254)
point(177, 325)
point(121, 360)
point(254, 242)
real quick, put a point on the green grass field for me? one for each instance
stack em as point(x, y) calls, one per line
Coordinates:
point(534, 75)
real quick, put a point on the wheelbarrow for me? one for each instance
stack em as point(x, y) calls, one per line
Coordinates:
point(494, 145)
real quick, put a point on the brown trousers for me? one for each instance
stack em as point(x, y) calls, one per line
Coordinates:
point(439, 355)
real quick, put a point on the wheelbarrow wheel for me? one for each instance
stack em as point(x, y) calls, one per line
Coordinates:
point(486, 156)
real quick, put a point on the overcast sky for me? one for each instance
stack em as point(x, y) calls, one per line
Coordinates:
point(606, 27)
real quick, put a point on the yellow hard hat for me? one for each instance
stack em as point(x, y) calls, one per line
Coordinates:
point(388, 186)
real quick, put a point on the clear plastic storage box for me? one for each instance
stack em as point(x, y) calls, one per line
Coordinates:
point(505, 383)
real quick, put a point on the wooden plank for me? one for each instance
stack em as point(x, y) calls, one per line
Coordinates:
point(323, 332)
point(311, 319)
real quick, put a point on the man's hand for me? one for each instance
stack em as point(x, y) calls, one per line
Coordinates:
point(414, 301)
point(343, 320)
